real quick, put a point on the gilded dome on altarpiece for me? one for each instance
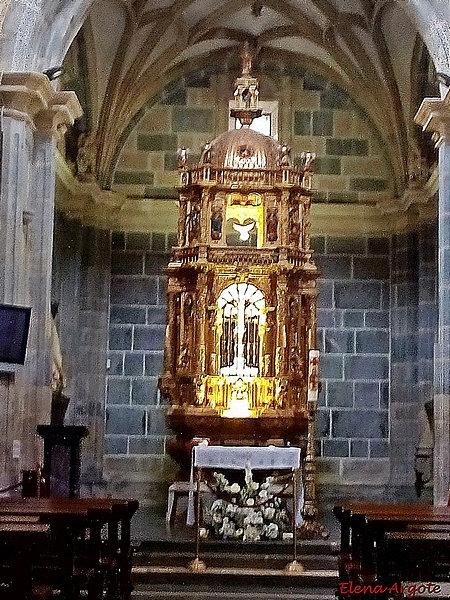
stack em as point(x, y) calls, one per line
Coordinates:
point(242, 149)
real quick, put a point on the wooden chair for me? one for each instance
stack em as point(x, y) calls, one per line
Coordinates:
point(180, 489)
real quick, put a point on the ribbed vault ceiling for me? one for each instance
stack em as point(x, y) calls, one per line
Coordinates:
point(368, 48)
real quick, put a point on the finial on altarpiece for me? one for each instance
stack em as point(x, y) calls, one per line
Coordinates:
point(247, 56)
point(246, 93)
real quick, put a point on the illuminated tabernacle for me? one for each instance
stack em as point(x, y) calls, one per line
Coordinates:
point(241, 330)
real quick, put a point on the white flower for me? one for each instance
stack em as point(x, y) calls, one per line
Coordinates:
point(269, 513)
point(228, 528)
point(263, 494)
point(216, 506)
point(235, 488)
point(250, 501)
point(251, 534)
point(257, 518)
point(272, 531)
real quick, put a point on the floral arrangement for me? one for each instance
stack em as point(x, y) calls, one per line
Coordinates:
point(246, 512)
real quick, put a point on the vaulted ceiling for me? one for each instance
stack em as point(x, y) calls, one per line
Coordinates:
point(133, 48)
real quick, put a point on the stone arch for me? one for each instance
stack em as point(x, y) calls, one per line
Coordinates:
point(37, 33)
point(434, 28)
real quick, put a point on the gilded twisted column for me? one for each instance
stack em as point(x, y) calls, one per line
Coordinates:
point(202, 323)
point(182, 217)
point(280, 358)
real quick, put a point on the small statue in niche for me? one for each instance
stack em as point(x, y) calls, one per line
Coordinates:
point(294, 312)
point(266, 365)
point(281, 394)
point(182, 156)
point(307, 159)
point(206, 153)
point(295, 361)
point(272, 226)
point(60, 402)
point(294, 226)
point(201, 398)
point(188, 306)
point(285, 156)
point(216, 224)
point(85, 157)
point(247, 97)
point(194, 222)
point(307, 163)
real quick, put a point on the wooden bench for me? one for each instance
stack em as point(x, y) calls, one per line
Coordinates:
point(90, 545)
point(415, 555)
point(20, 544)
point(375, 537)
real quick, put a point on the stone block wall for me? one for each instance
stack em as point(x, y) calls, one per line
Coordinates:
point(353, 335)
point(354, 339)
point(413, 330)
point(349, 167)
point(135, 414)
point(376, 329)
point(80, 285)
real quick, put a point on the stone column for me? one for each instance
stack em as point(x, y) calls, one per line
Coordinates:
point(32, 116)
point(434, 116)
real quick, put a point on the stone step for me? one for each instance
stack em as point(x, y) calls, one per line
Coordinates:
point(235, 570)
point(312, 547)
point(234, 577)
point(233, 559)
point(143, 592)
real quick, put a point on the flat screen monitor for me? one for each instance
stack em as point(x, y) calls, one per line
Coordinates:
point(14, 326)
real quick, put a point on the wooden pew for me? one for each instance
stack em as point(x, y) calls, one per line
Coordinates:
point(20, 542)
point(415, 556)
point(72, 560)
point(76, 527)
point(371, 535)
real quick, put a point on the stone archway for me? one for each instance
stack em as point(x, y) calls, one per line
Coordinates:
point(36, 34)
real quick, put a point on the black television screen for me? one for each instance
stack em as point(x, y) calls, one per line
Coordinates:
point(14, 326)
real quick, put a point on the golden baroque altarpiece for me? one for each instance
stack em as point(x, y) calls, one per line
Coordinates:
point(242, 295)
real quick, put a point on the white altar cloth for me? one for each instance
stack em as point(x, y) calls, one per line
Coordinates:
point(245, 457)
point(241, 457)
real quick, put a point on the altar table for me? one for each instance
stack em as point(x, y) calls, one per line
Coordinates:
point(245, 457)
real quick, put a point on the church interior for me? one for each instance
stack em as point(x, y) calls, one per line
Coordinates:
point(225, 225)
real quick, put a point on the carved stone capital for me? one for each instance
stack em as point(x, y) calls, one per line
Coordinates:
point(30, 97)
point(416, 194)
point(434, 116)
